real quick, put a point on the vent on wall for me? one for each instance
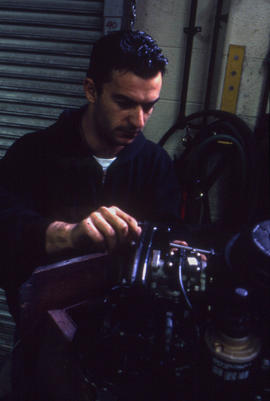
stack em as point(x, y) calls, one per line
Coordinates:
point(44, 54)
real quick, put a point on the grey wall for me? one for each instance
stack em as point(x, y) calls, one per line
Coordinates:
point(248, 24)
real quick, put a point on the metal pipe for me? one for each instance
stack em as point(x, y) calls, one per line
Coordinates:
point(213, 54)
point(191, 30)
point(265, 98)
point(193, 250)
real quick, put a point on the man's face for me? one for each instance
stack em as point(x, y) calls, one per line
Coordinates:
point(124, 105)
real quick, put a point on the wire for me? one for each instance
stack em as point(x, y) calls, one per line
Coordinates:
point(182, 286)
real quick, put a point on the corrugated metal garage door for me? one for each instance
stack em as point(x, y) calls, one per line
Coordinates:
point(44, 54)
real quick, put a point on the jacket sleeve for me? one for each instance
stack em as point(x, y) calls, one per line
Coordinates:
point(22, 228)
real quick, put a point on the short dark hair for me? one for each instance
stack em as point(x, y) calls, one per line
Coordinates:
point(134, 51)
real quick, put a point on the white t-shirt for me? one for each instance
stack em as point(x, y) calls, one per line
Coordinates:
point(105, 163)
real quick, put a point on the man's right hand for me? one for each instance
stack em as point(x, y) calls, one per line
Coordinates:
point(104, 229)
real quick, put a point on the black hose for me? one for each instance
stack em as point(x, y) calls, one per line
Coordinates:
point(237, 123)
point(201, 149)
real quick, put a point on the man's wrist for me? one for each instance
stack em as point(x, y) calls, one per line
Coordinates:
point(59, 237)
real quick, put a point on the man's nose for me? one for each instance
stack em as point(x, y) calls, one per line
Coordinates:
point(137, 117)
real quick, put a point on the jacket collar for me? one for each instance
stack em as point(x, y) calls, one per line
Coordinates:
point(70, 121)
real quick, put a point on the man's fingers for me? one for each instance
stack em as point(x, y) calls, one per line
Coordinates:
point(106, 228)
point(114, 226)
point(203, 257)
point(119, 225)
point(131, 222)
point(125, 226)
point(93, 231)
point(106, 231)
point(180, 242)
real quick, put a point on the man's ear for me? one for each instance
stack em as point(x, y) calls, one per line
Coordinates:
point(90, 90)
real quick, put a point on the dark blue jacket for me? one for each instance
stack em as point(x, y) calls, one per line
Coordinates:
point(51, 175)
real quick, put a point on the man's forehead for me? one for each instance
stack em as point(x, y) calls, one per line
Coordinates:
point(126, 81)
point(124, 72)
point(130, 100)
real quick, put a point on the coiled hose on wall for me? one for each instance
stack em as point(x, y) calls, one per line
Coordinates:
point(215, 169)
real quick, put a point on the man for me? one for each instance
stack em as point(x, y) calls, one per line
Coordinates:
point(56, 198)
point(85, 182)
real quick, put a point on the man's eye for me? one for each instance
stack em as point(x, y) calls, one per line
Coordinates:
point(148, 107)
point(124, 104)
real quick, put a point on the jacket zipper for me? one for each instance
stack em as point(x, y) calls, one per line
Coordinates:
point(104, 174)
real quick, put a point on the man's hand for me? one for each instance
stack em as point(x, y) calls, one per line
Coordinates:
point(107, 227)
point(201, 255)
point(104, 229)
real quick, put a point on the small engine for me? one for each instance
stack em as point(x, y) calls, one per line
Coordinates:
point(177, 327)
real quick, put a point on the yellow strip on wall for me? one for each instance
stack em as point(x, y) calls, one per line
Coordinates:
point(232, 78)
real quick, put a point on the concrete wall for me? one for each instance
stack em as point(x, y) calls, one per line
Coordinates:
point(248, 24)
